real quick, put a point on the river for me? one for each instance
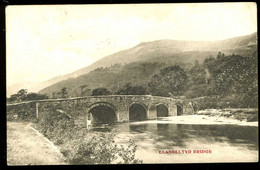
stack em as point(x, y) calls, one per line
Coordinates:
point(165, 142)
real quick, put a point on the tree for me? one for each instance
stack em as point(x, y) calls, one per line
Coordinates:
point(82, 89)
point(196, 63)
point(170, 80)
point(128, 89)
point(22, 92)
point(208, 59)
point(13, 98)
point(220, 55)
point(35, 96)
point(100, 91)
point(19, 96)
point(63, 92)
point(238, 77)
point(22, 95)
point(53, 95)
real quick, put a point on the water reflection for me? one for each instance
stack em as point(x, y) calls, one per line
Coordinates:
point(162, 127)
point(171, 135)
point(142, 128)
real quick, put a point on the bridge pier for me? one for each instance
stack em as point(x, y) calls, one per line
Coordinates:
point(123, 114)
point(172, 109)
point(152, 112)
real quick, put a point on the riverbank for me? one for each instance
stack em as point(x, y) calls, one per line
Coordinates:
point(207, 119)
point(26, 146)
point(200, 120)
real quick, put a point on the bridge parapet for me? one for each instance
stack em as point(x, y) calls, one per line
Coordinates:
point(119, 97)
point(81, 106)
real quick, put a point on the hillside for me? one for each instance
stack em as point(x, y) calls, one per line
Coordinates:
point(116, 76)
point(167, 48)
point(173, 51)
point(140, 73)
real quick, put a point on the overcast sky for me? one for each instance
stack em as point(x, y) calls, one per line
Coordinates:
point(48, 41)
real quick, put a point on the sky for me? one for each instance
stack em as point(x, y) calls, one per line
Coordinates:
point(45, 41)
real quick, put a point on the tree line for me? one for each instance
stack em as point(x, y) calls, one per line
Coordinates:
point(231, 77)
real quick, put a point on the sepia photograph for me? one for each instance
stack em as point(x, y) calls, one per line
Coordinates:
point(159, 83)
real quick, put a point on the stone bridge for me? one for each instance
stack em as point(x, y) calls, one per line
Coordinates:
point(102, 109)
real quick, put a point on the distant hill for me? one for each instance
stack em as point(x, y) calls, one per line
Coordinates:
point(173, 51)
point(167, 48)
point(138, 64)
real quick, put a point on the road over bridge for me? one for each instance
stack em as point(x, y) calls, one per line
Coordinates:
point(101, 109)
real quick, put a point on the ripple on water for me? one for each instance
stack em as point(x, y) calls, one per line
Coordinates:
point(228, 140)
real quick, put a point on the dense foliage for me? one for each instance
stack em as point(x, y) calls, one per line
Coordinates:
point(113, 78)
point(170, 80)
point(22, 95)
point(232, 79)
point(100, 91)
point(129, 89)
point(235, 76)
point(80, 146)
point(102, 149)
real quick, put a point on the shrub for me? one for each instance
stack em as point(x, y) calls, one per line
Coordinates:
point(130, 89)
point(23, 112)
point(102, 149)
point(253, 118)
point(100, 91)
point(80, 146)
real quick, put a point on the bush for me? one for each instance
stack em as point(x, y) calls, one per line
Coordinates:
point(23, 112)
point(129, 89)
point(100, 91)
point(170, 80)
point(206, 103)
point(253, 118)
point(102, 149)
point(80, 146)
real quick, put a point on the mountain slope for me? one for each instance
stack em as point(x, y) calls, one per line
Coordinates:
point(164, 50)
point(147, 59)
point(149, 50)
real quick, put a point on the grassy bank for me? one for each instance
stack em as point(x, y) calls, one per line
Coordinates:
point(79, 146)
point(26, 147)
point(246, 114)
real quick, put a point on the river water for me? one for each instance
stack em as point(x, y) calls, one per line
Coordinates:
point(159, 142)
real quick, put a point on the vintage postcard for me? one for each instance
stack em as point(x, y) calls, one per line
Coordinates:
point(132, 83)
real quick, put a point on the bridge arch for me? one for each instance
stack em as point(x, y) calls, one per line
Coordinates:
point(138, 111)
point(103, 113)
point(162, 110)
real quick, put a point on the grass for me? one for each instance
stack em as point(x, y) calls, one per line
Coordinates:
point(25, 147)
